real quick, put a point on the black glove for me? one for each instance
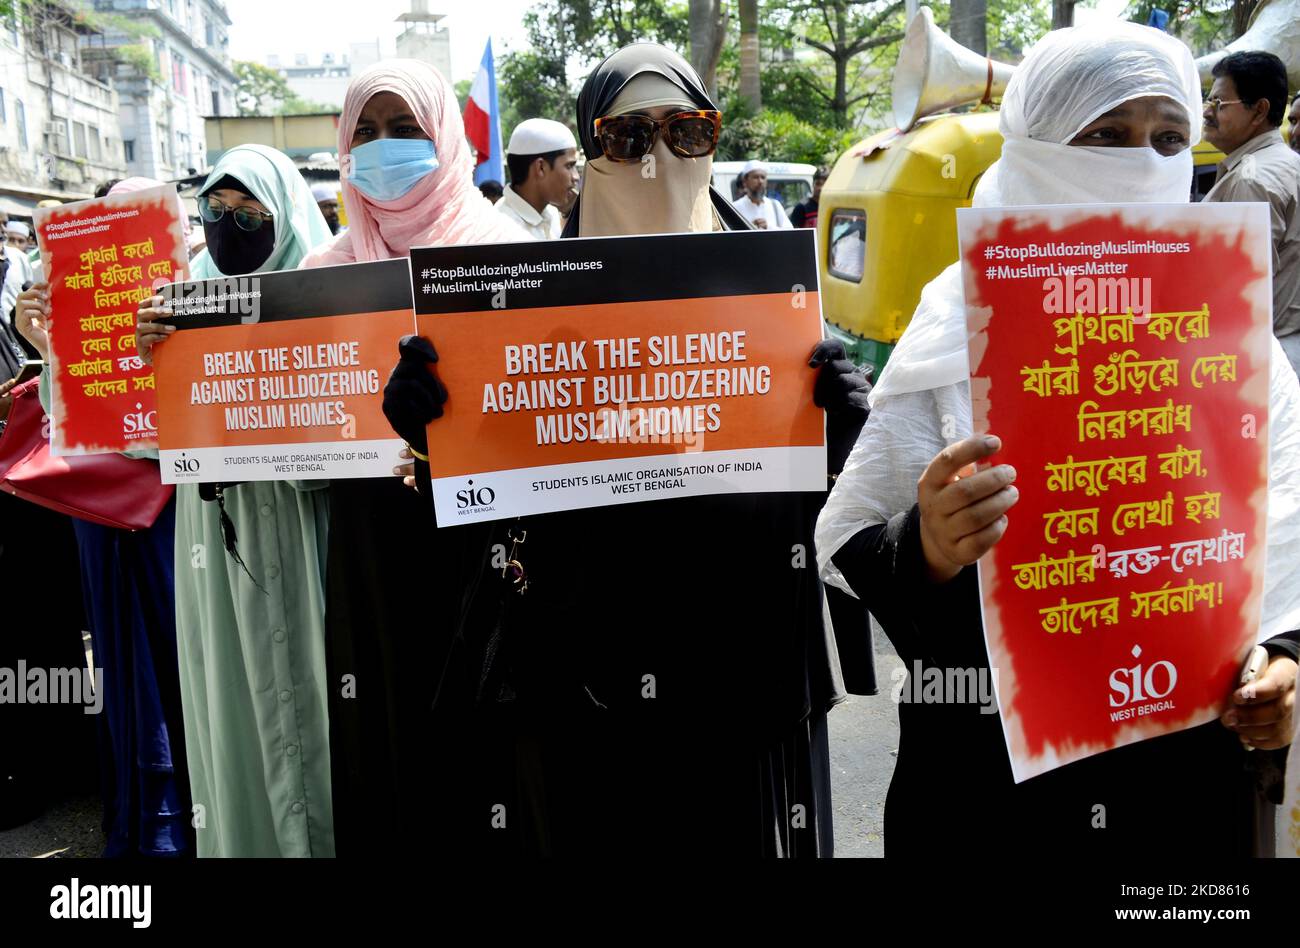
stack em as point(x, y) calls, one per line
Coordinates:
point(414, 396)
point(842, 389)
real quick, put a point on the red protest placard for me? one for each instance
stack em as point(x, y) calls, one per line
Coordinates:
point(1122, 356)
point(101, 258)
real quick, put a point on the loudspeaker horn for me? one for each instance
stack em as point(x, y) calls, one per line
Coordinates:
point(935, 72)
point(1274, 28)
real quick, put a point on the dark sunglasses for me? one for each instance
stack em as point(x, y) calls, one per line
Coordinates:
point(630, 137)
point(246, 218)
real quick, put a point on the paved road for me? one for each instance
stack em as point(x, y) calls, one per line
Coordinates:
point(67, 829)
point(864, 742)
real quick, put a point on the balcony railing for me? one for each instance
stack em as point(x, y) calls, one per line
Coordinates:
point(68, 81)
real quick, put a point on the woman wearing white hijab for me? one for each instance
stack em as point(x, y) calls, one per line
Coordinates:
point(1096, 114)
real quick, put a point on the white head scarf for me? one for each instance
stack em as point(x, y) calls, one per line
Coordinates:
point(922, 402)
point(1068, 79)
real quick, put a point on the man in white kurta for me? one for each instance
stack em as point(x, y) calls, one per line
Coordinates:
point(543, 160)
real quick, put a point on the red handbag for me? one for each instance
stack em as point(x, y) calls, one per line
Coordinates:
point(108, 489)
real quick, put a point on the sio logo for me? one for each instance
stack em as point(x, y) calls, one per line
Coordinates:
point(183, 466)
point(139, 423)
point(475, 497)
point(1137, 684)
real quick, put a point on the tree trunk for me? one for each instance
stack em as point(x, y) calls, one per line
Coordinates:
point(840, 40)
point(750, 88)
point(707, 26)
point(968, 24)
point(1062, 14)
point(1241, 11)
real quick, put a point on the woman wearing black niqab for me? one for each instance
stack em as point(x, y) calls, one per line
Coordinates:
point(664, 680)
point(621, 197)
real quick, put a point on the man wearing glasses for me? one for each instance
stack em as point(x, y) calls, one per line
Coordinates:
point(1242, 119)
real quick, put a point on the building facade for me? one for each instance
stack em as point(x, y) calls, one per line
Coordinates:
point(59, 130)
point(171, 72)
point(423, 38)
point(304, 138)
point(326, 82)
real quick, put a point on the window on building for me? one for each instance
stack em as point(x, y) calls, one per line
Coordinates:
point(21, 113)
point(182, 149)
point(92, 140)
point(4, 117)
point(11, 28)
point(216, 102)
point(164, 144)
point(128, 149)
point(209, 32)
point(79, 140)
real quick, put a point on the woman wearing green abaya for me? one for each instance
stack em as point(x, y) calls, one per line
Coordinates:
point(250, 606)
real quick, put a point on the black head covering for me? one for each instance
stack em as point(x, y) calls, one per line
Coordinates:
point(230, 183)
point(233, 250)
point(607, 81)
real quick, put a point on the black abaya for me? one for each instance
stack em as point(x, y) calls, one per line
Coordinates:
point(663, 684)
point(48, 750)
point(1191, 794)
point(386, 640)
point(667, 671)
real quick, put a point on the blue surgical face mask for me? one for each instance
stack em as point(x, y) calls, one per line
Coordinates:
point(387, 168)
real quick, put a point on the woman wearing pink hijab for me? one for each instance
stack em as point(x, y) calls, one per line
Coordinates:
point(407, 182)
point(407, 170)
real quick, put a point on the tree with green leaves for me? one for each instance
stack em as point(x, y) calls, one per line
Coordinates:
point(261, 90)
point(849, 83)
point(1204, 25)
point(34, 17)
point(534, 82)
point(258, 89)
point(823, 66)
point(827, 61)
point(296, 105)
